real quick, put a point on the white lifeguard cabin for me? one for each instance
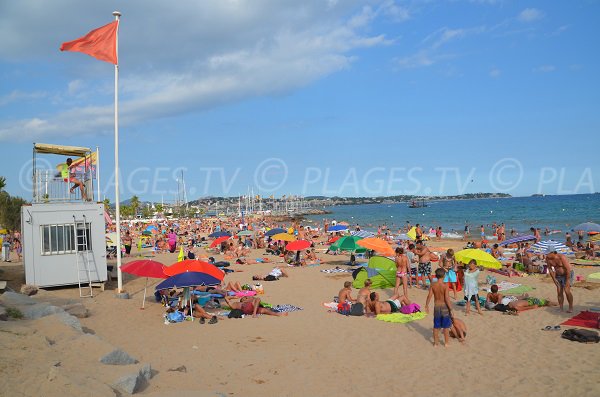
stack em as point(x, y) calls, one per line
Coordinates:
point(64, 239)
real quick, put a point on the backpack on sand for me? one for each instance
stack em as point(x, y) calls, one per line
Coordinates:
point(357, 309)
point(581, 335)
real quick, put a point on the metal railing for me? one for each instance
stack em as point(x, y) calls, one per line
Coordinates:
point(50, 188)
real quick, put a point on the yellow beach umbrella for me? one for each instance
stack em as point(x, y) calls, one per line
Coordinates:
point(595, 237)
point(284, 237)
point(412, 233)
point(481, 257)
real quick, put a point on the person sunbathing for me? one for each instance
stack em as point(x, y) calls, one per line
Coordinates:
point(458, 329)
point(529, 303)
point(273, 275)
point(250, 305)
point(392, 305)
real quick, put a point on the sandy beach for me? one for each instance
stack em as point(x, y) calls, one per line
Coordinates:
point(310, 352)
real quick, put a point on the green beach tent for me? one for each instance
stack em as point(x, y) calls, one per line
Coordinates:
point(381, 271)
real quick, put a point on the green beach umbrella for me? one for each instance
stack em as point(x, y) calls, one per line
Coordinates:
point(346, 243)
point(245, 233)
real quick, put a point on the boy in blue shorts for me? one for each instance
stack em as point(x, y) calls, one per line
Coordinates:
point(442, 311)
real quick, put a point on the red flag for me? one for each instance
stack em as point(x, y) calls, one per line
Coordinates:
point(100, 43)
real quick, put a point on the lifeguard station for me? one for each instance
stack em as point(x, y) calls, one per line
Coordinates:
point(63, 234)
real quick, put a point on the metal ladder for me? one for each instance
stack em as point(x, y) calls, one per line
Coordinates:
point(82, 258)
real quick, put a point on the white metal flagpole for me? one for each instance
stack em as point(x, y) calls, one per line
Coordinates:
point(117, 15)
point(98, 172)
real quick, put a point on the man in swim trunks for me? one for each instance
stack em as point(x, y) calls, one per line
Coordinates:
point(392, 305)
point(424, 263)
point(442, 310)
point(402, 271)
point(562, 275)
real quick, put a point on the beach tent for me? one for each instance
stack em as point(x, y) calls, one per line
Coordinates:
point(381, 271)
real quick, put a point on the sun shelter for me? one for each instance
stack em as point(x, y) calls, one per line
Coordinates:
point(381, 271)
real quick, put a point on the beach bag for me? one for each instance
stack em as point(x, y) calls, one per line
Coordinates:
point(175, 317)
point(410, 309)
point(581, 335)
point(357, 309)
point(344, 308)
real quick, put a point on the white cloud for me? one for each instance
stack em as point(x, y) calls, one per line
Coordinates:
point(545, 69)
point(183, 57)
point(495, 73)
point(17, 96)
point(530, 15)
point(394, 11)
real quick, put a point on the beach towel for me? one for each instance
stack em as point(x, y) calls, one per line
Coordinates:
point(286, 308)
point(518, 290)
point(464, 302)
point(337, 270)
point(584, 319)
point(594, 276)
point(401, 318)
point(330, 305)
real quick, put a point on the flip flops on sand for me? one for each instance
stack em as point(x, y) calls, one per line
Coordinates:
point(551, 328)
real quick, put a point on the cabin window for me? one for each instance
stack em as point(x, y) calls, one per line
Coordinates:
point(65, 239)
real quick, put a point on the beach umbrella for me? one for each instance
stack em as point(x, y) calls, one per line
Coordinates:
point(192, 265)
point(518, 239)
point(245, 233)
point(346, 243)
point(587, 227)
point(376, 244)
point(284, 237)
point(481, 257)
point(548, 246)
point(188, 279)
point(337, 228)
point(146, 233)
point(362, 233)
point(412, 233)
point(151, 227)
point(275, 231)
point(298, 245)
point(219, 241)
point(219, 234)
point(144, 268)
point(595, 237)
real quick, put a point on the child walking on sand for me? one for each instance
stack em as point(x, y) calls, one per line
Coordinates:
point(442, 311)
point(472, 287)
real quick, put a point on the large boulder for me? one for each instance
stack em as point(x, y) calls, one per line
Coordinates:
point(118, 357)
point(133, 382)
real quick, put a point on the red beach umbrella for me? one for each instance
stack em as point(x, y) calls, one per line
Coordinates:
point(144, 268)
point(298, 245)
point(219, 241)
point(192, 265)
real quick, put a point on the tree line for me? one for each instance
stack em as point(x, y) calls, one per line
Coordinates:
point(10, 208)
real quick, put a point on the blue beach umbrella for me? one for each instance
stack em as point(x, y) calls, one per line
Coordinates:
point(188, 279)
point(219, 234)
point(587, 227)
point(337, 228)
point(275, 231)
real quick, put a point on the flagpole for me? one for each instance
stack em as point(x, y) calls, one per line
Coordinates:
point(117, 15)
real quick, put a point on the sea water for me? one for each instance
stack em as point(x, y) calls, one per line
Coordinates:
point(558, 214)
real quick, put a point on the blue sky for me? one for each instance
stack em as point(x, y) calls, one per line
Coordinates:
point(349, 98)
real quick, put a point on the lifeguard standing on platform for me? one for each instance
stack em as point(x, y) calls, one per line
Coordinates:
point(65, 173)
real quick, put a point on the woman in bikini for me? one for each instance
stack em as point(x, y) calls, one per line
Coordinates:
point(402, 271)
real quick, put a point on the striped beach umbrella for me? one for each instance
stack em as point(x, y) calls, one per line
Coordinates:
point(518, 239)
point(362, 234)
point(587, 227)
point(548, 246)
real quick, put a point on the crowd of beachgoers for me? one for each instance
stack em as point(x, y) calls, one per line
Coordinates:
point(224, 242)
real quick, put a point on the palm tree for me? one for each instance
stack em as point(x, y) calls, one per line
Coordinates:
point(135, 204)
point(2, 183)
point(106, 203)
